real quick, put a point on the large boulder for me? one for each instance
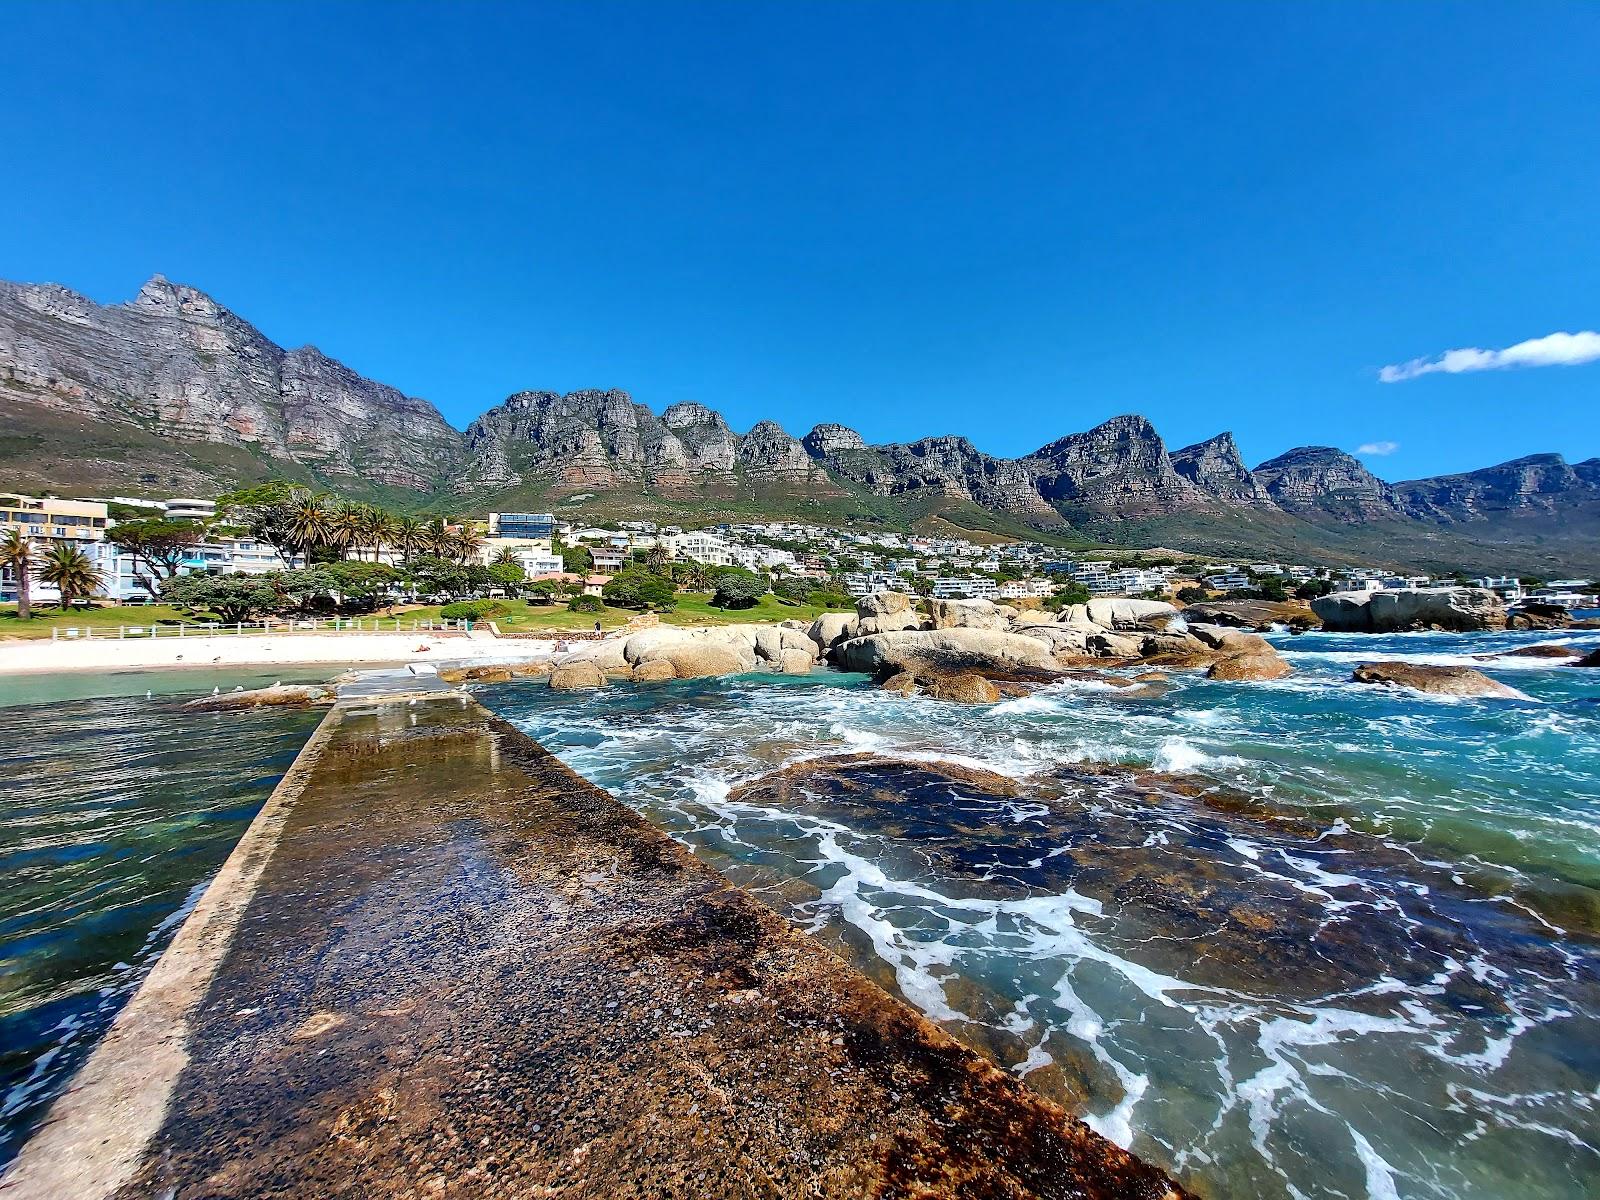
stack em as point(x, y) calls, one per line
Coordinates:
point(796, 662)
point(1237, 668)
point(699, 661)
point(1114, 645)
point(954, 649)
point(1440, 681)
point(961, 687)
point(1533, 614)
point(1230, 641)
point(1116, 612)
point(576, 677)
point(1592, 659)
point(882, 604)
point(966, 614)
point(888, 622)
point(1033, 616)
point(1250, 614)
point(828, 630)
point(1062, 639)
point(657, 670)
point(1392, 610)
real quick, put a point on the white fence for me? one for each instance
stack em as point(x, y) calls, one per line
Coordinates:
point(248, 628)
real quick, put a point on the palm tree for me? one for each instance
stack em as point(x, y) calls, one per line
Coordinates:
point(344, 527)
point(308, 521)
point(506, 557)
point(377, 529)
point(656, 557)
point(436, 537)
point(16, 554)
point(70, 570)
point(466, 543)
point(408, 536)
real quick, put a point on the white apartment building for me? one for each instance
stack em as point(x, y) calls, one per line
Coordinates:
point(703, 547)
point(1023, 589)
point(960, 588)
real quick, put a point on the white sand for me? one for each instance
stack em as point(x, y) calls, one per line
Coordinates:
point(40, 655)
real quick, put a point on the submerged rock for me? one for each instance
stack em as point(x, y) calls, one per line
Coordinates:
point(1543, 650)
point(1239, 668)
point(1439, 681)
point(962, 687)
point(1592, 659)
point(279, 695)
point(1531, 614)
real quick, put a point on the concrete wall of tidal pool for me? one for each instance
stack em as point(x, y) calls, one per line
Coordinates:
point(439, 959)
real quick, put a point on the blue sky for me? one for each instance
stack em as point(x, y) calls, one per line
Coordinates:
point(1005, 221)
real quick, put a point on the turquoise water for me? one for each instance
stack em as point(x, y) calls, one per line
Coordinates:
point(1339, 942)
point(115, 812)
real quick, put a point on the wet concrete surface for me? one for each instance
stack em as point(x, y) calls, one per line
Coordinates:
point(464, 971)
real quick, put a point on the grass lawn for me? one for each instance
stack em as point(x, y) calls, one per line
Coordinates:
point(101, 620)
point(697, 610)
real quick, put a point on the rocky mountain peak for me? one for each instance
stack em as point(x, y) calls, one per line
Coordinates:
point(1325, 480)
point(826, 440)
point(1216, 467)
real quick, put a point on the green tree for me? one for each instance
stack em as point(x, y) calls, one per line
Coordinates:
point(576, 559)
point(442, 576)
point(16, 555)
point(1193, 595)
point(1311, 589)
point(635, 587)
point(734, 587)
point(157, 547)
point(230, 597)
point(70, 570)
point(508, 573)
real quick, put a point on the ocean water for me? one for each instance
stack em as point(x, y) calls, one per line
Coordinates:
point(115, 812)
point(1305, 938)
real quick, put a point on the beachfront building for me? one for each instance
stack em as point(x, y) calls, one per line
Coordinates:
point(183, 509)
point(50, 519)
point(537, 527)
point(948, 587)
point(1027, 589)
point(122, 572)
point(703, 547)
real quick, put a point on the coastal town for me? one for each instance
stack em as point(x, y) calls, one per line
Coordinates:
point(118, 562)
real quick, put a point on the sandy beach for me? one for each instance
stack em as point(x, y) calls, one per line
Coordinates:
point(41, 656)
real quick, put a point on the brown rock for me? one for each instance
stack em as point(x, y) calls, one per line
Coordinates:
point(700, 662)
point(278, 696)
point(1439, 681)
point(966, 687)
point(1543, 650)
point(904, 683)
point(796, 662)
point(576, 677)
point(657, 670)
point(1236, 668)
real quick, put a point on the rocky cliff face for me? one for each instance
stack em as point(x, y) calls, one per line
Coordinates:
point(1120, 468)
point(1216, 467)
point(1321, 482)
point(602, 441)
point(1537, 483)
point(176, 362)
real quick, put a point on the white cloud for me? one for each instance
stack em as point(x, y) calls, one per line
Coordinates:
point(1377, 447)
point(1552, 350)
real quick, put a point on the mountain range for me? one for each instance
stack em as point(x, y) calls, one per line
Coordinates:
point(171, 393)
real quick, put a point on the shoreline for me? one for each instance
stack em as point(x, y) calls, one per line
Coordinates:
point(44, 657)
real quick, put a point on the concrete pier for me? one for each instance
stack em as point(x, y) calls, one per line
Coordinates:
point(441, 964)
